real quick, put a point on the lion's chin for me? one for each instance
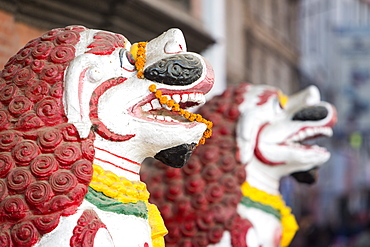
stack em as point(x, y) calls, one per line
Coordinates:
point(306, 177)
point(176, 156)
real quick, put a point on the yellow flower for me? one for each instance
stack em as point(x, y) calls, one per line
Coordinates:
point(209, 124)
point(202, 140)
point(199, 118)
point(138, 52)
point(140, 75)
point(158, 93)
point(170, 103)
point(163, 100)
point(192, 117)
point(187, 114)
point(153, 88)
point(140, 63)
point(207, 133)
point(176, 107)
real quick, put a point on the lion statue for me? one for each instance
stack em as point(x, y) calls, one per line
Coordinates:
point(80, 109)
point(228, 193)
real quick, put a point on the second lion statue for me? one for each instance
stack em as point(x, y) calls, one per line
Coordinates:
point(228, 193)
point(80, 109)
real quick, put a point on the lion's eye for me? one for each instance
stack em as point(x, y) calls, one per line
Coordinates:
point(130, 58)
point(127, 60)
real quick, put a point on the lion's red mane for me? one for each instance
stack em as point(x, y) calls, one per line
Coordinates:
point(45, 167)
point(198, 202)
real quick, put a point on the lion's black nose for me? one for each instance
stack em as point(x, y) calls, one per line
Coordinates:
point(180, 69)
point(312, 113)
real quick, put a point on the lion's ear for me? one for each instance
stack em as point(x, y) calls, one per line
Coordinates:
point(83, 129)
point(77, 95)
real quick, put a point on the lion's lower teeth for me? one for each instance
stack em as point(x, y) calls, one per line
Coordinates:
point(163, 118)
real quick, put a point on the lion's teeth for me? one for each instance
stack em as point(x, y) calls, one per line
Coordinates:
point(310, 132)
point(176, 98)
point(155, 104)
point(167, 107)
point(200, 98)
point(317, 147)
point(146, 107)
point(184, 98)
point(302, 135)
point(160, 117)
point(329, 132)
point(192, 97)
point(295, 138)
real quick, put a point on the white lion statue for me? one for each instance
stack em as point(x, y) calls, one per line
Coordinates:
point(228, 193)
point(80, 109)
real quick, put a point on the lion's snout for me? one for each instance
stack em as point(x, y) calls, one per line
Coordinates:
point(180, 69)
point(312, 113)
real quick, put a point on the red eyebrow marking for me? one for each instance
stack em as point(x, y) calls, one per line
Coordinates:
point(265, 96)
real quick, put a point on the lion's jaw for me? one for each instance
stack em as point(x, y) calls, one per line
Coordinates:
point(278, 149)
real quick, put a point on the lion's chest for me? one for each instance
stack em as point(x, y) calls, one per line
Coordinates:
point(121, 229)
point(268, 228)
point(102, 229)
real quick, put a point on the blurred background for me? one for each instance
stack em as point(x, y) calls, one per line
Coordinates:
point(289, 44)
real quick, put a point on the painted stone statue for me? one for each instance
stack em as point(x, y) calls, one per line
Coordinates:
point(228, 193)
point(80, 109)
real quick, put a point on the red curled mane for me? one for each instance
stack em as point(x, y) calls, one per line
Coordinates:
point(45, 167)
point(198, 202)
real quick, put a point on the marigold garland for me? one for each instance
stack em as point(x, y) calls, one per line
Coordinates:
point(138, 51)
point(188, 115)
point(120, 188)
point(127, 191)
point(288, 221)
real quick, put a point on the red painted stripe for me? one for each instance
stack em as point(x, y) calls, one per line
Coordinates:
point(258, 152)
point(118, 156)
point(105, 161)
point(80, 89)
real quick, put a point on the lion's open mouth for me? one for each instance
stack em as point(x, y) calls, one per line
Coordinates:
point(152, 109)
point(304, 138)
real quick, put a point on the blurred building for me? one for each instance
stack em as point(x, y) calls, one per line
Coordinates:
point(335, 55)
point(262, 42)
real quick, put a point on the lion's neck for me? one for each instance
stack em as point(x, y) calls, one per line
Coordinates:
point(262, 177)
point(117, 158)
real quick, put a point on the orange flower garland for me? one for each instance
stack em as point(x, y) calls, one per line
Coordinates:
point(140, 59)
point(188, 115)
